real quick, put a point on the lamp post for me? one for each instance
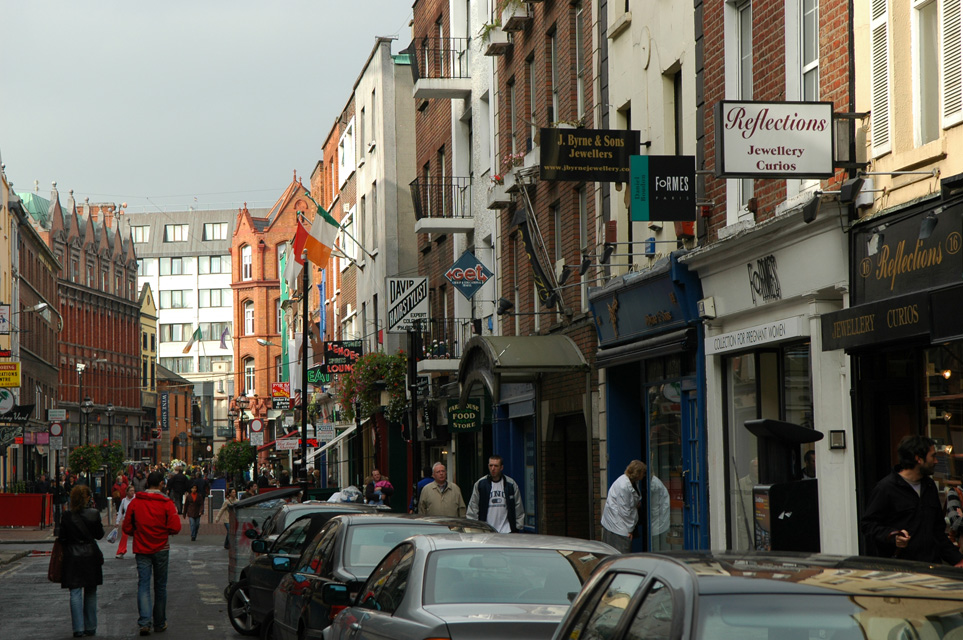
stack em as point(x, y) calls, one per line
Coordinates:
point(241, 402)
point(109, 480)
point(86, 406)
point(80, 394)
point(232, 416)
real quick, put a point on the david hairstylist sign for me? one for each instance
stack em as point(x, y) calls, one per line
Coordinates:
point(774, 139)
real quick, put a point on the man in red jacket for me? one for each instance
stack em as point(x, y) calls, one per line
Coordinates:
point(151, 519)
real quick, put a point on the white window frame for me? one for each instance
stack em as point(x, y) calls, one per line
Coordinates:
point(553, 66)
point(930, 68)
point(249, 318)
point(140, 234)
point(796, 69)
point(346, 153)
point(249, 376)
point(880, 101)
point(738, 191)
point(247, 262)
point(215, 231)
point(176, 232)
point(579, 60)
point(951, 62)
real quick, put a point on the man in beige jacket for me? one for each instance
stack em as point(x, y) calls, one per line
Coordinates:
point(441, 498)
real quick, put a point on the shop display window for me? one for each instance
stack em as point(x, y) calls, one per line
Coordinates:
point(943, 395)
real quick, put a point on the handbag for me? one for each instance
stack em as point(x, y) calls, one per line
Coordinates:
point(55, 568)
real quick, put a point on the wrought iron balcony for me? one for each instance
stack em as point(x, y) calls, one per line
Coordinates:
point(442, 342)
point(439, 68)
point(442, 205)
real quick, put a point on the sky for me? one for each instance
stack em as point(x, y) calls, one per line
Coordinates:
point(180, 103)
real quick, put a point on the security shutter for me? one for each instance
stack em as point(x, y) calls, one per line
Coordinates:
point(952, 63)
point(879, 43)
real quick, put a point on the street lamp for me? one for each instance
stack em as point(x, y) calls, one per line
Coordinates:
point(108, 481)
point(241, 402)
point(232, 416)
point(86, 406)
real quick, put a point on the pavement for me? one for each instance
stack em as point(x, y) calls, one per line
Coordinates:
point(40, 540)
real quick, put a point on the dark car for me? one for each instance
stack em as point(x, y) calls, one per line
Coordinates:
point(246, 607)
point(344, 551)
point(758, 596)
point(484, 585)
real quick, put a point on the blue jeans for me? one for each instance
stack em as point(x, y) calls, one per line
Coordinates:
point(156, 563)
point(195, 526)
point(83, 609)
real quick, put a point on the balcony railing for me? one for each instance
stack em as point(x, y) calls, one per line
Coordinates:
point(439, 58)
point(445, 338)
point(441, 197)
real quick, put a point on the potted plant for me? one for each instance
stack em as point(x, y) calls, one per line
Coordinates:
point(234, 458)
point(372, 373)
point(515, 16)
point(86, 459)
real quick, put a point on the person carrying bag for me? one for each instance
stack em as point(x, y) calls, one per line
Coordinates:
point(82, 569)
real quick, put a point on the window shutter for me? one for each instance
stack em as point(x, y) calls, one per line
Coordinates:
point(952, 63)
point(879, 43)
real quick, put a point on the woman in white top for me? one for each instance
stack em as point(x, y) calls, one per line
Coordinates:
point(229, 499)
point(121, 513)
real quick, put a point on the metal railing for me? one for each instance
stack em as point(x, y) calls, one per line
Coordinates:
point(445, 338)
point(441, 197)
point(439, 58)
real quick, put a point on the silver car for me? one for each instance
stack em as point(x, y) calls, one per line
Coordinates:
point(463, 586)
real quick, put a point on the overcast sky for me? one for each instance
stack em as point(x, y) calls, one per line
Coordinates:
point(158, 103)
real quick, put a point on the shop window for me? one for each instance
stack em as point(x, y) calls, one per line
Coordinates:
point(943, 394)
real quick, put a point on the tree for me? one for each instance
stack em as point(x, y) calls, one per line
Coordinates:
point(86, 459)
point(235, 457)
point(112, 454)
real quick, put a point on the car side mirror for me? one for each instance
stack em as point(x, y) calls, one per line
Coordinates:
point(335, 594)
point(250, 533)
point(259, 546)
point(280, 564)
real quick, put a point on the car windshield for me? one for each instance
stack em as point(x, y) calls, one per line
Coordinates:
point(367, 544)
point(521, 576)
point(828, 617)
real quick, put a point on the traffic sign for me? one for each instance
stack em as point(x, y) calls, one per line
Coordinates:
point(57, 415)
point(256, 425)
point(407, 302)
point(56, 429)
point(257, 438)
point(56, 442)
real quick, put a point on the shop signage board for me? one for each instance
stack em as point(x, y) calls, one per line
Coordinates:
point(590, 155)
point(281, 395)
point(9, 374)
point(875, 322)
point(56, 415)
point(662, 188)
point(752, 337)
point(164, 410)
point(774, 139)
point(340, 355)
point(20, 413)
point(407, 303)
point(468, 274)
point(325, 431)
point(4, 319)
point(465, 419)
point(287, 444)
point(318, 375)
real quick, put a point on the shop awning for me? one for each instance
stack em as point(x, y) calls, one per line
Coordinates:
point(492, 360)
point(671, 342)
point(341, 436)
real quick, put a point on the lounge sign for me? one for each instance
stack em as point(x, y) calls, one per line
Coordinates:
point(774, 139)
point(593, 155)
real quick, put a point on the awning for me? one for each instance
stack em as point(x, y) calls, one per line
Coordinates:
point(341, 436)
point(671, 342)
point(492, 360)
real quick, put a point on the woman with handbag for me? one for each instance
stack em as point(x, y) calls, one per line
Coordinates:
point(121, 514)
point(229, 499)
point(82, 560)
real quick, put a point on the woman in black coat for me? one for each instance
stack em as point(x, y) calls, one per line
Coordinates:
point(80, 529)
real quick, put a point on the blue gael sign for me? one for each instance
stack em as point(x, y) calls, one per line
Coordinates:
point(468, 274)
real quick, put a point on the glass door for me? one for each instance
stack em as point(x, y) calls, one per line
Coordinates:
point(666, 496)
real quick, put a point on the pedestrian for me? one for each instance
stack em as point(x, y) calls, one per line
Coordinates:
point(43, 486)
point(177, 486)
point(151, 518)
point(621, 512)
point(139, 481)
point(118, 491)
point(441, 498)
point(426, 479)
point(194, 509)
point(229, 499)
point(378, 488)
point(264, 480)
point(121, 513)
point(497, 500)
point(904, 517)
point(82, 563)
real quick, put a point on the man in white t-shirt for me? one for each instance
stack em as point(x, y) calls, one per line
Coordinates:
point(497, 500)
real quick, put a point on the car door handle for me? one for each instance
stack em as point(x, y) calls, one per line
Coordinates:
point(355, 626)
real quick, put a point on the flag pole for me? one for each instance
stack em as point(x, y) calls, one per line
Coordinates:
point(304, 378)
point(341, 228)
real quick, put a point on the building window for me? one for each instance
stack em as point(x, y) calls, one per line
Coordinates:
point(374, 218)
point(810, 50)
point(248, 318)
point(346, 152)
point(214, 297)
point(90, 276)
point(248, 376)
point(739, 76)
point(247, 262)
point(512, 105)
point(583, 241)
point(215, 231)
point(556, 214)
point(176, 232)
point(579, 60)
point(879, 75)
point(278, 316)
point(74, 270)
point(143, 335)
point(213, 264)
point(175, 299)
point(532, 128)
point(346, 240)
point(214, 330)
point(554, 116)
point(205, 364)
point(180, 332)
point(141, 235)
point(179, 365)
point(926, 76)
point(172, 266)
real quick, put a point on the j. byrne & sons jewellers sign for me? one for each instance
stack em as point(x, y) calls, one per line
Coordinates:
point(774, 139)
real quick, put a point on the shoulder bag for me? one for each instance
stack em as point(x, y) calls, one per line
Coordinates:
point(55, 569)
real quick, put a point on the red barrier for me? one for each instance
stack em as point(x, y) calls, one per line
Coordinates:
point(23, 510)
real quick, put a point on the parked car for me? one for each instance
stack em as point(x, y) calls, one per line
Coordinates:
point(247, 606)
point(703, 595)
point(467, 586)
point(344, 551)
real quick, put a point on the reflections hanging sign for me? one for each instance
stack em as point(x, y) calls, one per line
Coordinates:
point(774, 139)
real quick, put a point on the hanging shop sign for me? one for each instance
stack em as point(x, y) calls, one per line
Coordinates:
point(590, 155)
point(318, 375)
point(543, 287)
point(281, 395)
point(165, 410)
point(9, 374)
point(662, 188)
point(4, 319)
point(407, 303)
point(774, 139)
point(19, 413)
point(340, 355)
point(468, 274)
point(465, 419)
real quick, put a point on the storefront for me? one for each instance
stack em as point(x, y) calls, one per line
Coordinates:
point(650, 341)
point(904, 331)
point(765, 291)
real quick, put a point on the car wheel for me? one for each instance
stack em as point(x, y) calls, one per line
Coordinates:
point(267, 627)
point(239, 609)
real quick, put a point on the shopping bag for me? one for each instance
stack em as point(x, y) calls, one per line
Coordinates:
point(56, 562)
point(112, 536)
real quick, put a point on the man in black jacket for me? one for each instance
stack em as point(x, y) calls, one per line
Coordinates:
point(904, 518)
point(177, 485)
point(496, 499)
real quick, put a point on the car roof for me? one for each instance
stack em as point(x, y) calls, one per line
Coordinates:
point(512, 541)
point(319, 506)
point(730, 572)
point(398, 518)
